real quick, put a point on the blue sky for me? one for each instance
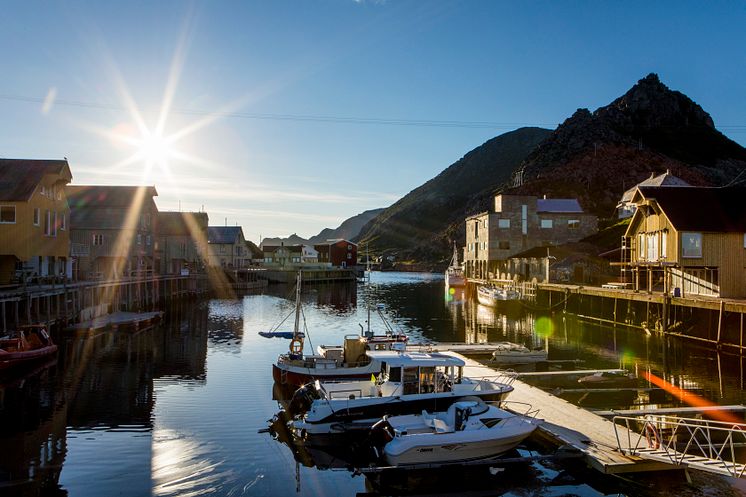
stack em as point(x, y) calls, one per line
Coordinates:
point(254, 84)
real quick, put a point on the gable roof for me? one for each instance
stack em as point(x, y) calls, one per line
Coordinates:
point(181, 223)
point(20, 177)
point(223, 234)
point(701, 208)
point(105, 195)
point(665, 179)
point(558, 205)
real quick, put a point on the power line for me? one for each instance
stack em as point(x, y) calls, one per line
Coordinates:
point(734, 128)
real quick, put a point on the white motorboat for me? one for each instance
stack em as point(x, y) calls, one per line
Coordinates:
point(469, 430)
point(514, 353)
point(408, 383)
point(455, 272)
point(493, 295)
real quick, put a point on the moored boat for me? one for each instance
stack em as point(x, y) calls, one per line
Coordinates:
point(408, 383)
point(492, 295)
point(609, 379)
point(455, 272)
point(337, 362)
point(469, 430)
point(26, 344)
point(514, 353)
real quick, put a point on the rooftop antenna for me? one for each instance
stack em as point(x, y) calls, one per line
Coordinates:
point(226, 221)
point(179, 205)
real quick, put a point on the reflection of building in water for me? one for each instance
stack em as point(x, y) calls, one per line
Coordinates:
point(478, 320)
point(225, 324)
point(32, 433)
point(182, 351)
point(342, 297)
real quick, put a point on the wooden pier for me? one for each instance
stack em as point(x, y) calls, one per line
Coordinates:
point(568, 425)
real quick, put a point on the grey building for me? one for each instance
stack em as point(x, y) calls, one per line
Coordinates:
point(519, 223)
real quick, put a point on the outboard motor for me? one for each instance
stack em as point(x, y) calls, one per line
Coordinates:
point(302, 399)
point(381, 433)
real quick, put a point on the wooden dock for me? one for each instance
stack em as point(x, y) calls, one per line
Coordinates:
point(568, 425)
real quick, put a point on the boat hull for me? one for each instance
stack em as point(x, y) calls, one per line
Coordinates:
point(455, 280)
point(450, 447)
point(285, 374)
point(14, 359)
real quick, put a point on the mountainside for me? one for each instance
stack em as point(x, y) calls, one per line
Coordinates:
point(597, 156)
point(291, 240)
point(423, 224)
point(349, 229)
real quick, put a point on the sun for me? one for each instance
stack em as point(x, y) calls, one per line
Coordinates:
point(154, 148)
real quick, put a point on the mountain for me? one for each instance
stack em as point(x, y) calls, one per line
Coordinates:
point(349, 229)
point(423, 223)
point(597, 155)
point(291, 240)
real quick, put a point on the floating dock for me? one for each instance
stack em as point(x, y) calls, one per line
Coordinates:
point(568, 425)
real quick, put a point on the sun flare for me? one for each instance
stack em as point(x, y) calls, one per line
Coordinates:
point(154, 148)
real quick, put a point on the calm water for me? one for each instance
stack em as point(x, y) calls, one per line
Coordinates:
point(178, 410)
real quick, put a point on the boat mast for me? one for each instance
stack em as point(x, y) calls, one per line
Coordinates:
point(297, 305)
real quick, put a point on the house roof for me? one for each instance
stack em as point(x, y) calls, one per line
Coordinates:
point(701, 208)
point(558, 205)
point(665, 179)
point(106, 195)
point(181, 223)
point(20, 177)
point(291, 248)
point(103, 206)
point(223, 234)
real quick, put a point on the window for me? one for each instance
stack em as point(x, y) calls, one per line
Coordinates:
point(349, 247)
point(503, 245)
point(573, 224)
point(503, 223)
point(98, 239)
point(37, 216)
point(691, 245)
point(47, 221)
point(485, 223)
point(349, 256)
point(7, 214)
point(139, 239)
point(63, 225)
point(54, 224)
point(546, 223)
point(147, 240)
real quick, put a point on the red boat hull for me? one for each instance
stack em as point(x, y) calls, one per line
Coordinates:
point(12, 359)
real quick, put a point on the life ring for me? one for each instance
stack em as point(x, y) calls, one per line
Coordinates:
point(652, 436)
point(296, 346)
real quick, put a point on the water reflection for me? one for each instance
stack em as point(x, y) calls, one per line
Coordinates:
point(177, 409)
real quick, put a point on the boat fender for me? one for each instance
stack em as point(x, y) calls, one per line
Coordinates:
point(652, 436)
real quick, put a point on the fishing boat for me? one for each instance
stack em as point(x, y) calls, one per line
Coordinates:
point(493, 295)
point(336, 362)
point(514, 353)
point(454, 272)
point(408, 383)
point(24, 345)
point(469, 430)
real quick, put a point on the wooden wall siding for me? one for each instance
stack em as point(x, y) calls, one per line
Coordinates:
point(24, 240)
point(653, 223)
point(726, 252)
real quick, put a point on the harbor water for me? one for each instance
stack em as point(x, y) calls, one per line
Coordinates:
point(182, 409)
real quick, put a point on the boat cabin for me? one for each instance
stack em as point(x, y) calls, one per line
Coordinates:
point(402, 373)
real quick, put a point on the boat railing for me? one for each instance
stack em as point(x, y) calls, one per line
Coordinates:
point(521, 408)
point(506, 378)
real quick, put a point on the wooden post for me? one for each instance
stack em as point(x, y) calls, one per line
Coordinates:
point(720, 320)
point(4, 327)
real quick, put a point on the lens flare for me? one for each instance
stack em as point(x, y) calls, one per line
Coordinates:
point(544, 327)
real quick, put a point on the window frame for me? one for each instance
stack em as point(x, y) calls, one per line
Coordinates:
point(699, 237)
point(543, 222)
point(15, 214)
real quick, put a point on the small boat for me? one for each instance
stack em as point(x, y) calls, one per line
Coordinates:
point(336, 362)
point(514, 353)
point(610, 379)
point(408, 383)
point(470, 430)
point(26, 344)
point(492, 295)
point(454, 272)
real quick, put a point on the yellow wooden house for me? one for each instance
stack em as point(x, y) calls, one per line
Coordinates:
point(688, 241)
point(34, 220)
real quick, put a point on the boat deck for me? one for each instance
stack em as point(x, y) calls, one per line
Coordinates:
point(569, 425)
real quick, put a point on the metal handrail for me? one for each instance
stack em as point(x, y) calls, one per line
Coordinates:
point(685, 438)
